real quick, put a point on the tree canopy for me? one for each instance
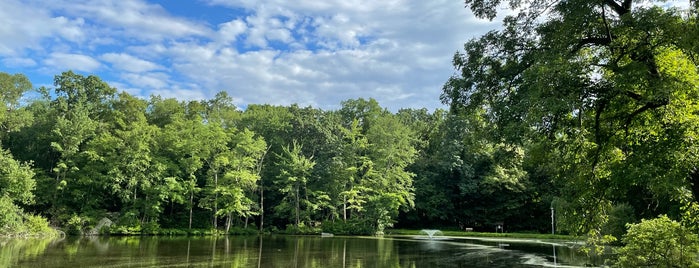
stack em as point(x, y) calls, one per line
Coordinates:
point(608, 88)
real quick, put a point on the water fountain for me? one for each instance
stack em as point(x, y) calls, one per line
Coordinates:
point(430, 233)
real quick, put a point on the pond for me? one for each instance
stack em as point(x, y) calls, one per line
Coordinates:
point(285, 251)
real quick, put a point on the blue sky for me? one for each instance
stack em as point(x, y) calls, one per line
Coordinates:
point(308, 52)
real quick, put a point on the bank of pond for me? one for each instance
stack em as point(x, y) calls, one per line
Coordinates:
point(290, 251)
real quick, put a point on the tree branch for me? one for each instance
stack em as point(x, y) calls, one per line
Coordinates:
point(633, 95)
point(648, 106)
point(619, 9)
point(627, 5)
point(599, 41)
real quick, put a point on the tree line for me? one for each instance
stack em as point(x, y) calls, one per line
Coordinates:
point(83, 151)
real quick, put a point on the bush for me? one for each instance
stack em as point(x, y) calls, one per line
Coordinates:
point(10, 217)
point(243, 231)
point(75, 225)
point(150, 228)
point(38, 225)
point(301, 229)
point(350, 227)
point(660, 242)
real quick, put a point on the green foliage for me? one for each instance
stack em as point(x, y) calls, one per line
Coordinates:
point(75, 225)
point(619, 217)
point(349, 227)
point(10, 217)
point(16, 179)
point(125, 230)
point(243, 231)
point(659, 242)
point(12, 115)
point(604, 86)
point(292, 181)
point(690, 215)
point(150, 228)
point(499, 154)
point(301, 229)
point(37, 225)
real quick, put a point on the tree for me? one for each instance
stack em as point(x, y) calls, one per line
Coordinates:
point(292, 180)
point(218, 158)
point(221, 117)
point(12, 115)
point(79, 108)
point(371, 164)
point(609, 86)
point(17, 182)
point(182, 143)
point(272, 123)
point(124, 159)
point(235, 156)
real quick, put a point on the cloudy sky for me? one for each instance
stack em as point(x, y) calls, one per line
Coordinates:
point(309, 52)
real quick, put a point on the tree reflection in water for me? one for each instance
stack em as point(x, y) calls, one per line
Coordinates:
point(281, 251)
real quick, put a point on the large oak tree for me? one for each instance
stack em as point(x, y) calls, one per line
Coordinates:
point(609, 88)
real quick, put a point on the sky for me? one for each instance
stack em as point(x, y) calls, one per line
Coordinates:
point(308, 52)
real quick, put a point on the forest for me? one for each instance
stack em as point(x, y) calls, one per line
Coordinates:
point(591, 114)
point(84, 151)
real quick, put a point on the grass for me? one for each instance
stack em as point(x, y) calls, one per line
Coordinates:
point(481, 234)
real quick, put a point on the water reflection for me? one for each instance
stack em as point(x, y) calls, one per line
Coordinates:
point(282, 251)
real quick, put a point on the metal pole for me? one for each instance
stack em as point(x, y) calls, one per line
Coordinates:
point(553, 230)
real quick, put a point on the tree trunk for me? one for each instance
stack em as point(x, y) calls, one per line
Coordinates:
point(262, 192)
point(262, 205)
point(215, 223)
point(145, 211)
point(191, 204)
point(228, 222)
point(344, 208)
point(694, 183)
point(297, 206)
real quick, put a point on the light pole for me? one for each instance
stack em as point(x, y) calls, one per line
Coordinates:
point(553, 229)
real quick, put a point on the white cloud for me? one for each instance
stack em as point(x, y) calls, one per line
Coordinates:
point(148, 80)
point(68, 61)
point(23, 26)
point(130, 63)
point(398, 52)
point(19, 62)
point(228, 32)
point(131, 18)
point(281, 52)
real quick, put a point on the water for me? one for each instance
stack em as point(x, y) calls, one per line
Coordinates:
point(430, 233)
point(284, 251)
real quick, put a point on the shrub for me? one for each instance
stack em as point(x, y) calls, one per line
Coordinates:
point(660, 242)
point(301, 229)
point(150, 228)
point(349, 227)
point(10, 217)
point(242, 231)
point(75, 225)
point(38, 225)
